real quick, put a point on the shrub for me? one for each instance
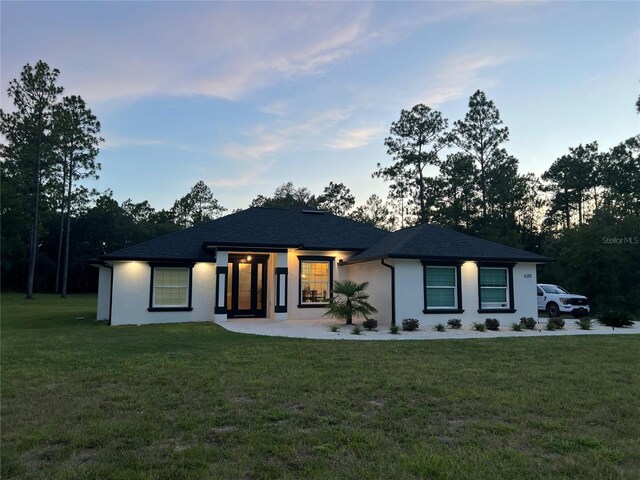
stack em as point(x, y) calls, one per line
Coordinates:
point(555, 323)
point(440, 328)
point(455, 323)
point(492, 324)
point(334, 328)
point(516, 327)
point(370, 324)
point(394, 329)
point(356, 330)
point(615, 319)
point(584, 323)
point(528, 322)
point(410, 324)
point(480, 327)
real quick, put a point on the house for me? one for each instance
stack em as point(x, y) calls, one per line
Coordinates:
point(281, 264)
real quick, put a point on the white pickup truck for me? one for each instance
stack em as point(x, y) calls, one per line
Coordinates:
point(556, 300)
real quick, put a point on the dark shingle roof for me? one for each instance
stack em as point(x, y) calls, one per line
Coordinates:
point(431, 242)
point(257, 227)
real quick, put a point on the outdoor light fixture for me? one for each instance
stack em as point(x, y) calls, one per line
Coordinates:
point(248, 258)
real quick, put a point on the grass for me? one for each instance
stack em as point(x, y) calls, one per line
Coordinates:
point(82, 400)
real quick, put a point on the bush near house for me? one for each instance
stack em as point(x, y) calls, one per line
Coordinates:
point(492, 324)
point(440, 328)
point(410, 324)
point(479, 326)
point(615, 319)
point(394, 330)
point(370, 324)
point(454, 323)
point(528, 322)
point(584, 323)
point(555, 323)
point(516, 327)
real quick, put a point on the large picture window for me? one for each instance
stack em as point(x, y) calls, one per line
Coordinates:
point(316, 280)
point(170, 288)
point(495, 288)
point(442, 292)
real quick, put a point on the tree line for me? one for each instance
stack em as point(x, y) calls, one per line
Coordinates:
point(458, 175)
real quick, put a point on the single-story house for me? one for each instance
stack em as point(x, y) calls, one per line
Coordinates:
point(280, 264)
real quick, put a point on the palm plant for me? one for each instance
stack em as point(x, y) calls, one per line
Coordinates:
point(349, 300)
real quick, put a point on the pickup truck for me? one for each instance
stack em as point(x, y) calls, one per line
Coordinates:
point(556, 300)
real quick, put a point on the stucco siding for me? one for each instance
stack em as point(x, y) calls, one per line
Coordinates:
point(131, 288)
point(410, 295)
point(379, 290)
point(104, 293)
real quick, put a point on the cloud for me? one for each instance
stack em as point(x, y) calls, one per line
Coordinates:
point(267, 140)
point(460, 74)
point(214, 49)
point(355, 137)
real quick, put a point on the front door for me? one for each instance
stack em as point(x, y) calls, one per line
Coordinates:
point(247, 292)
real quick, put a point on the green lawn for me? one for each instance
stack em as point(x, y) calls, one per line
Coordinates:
point(83, 400)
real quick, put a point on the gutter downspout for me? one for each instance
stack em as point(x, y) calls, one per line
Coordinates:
point(110, 267)
point(393, 290)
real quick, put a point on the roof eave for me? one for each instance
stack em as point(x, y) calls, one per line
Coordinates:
point(155, 259)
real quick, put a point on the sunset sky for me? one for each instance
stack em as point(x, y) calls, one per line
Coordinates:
point(246, 96)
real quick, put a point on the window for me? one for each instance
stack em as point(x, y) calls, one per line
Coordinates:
point(495, 288)
point(170, 288)
point(442, 289)
point(316, 281)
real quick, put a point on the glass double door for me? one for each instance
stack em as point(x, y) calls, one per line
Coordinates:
point(246, 289)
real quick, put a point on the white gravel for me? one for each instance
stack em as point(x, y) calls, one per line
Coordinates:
point(319, 329)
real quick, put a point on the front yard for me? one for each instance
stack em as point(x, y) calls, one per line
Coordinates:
point(83, 400)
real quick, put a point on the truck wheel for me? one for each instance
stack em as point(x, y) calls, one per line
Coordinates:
point(553, 310)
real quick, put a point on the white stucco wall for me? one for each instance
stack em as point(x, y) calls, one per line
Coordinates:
point(410, 296)
point(104, 293)
point(379, 290)
point(131, 295)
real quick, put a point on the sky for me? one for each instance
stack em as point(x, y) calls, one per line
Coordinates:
point(247, 96)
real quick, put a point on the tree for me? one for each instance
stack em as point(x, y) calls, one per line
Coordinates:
point(197, 206)
point(480, 136)
point(458, 192)
point(570, 179)
point(349, 300)
point(143, 212)
point(620, 173)
point(287, 196)
point(337, 199)
point(75, 137)
point(414, 143)
point(375, 212)
point(26, 131)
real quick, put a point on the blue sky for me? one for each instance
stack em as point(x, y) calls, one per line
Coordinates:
point(247, 96)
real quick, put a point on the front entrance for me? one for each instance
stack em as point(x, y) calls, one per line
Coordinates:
point(247, 286)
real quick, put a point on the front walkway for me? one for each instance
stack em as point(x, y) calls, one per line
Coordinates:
point(319, 329)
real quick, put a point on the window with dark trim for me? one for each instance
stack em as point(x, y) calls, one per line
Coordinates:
point(442, 288)
point(495, 288)
point(170, 288)
point(315, 281)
